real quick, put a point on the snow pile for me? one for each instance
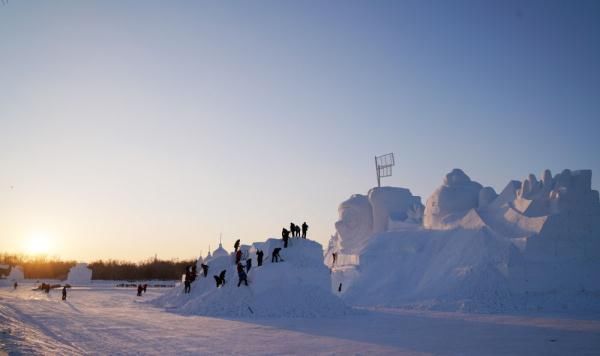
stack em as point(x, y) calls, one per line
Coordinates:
point(297, 287)
point(535, 245)
point(80, 274)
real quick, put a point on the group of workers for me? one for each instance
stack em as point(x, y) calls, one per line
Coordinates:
point(244, 268)
point(294, 231)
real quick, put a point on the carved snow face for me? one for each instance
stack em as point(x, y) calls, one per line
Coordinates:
point(355, 222)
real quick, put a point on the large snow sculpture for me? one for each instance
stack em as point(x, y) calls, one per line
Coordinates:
point(451, 201)
point(80, 274)
point(362, 216)
point(535, 246)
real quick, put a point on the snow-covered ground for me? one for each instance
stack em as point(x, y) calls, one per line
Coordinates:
point(106, 320)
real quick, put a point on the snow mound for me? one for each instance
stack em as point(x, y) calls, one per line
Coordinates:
point(80, 274)
point(402, 267)
point(300, 286)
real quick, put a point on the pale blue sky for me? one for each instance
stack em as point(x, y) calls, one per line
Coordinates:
point(129, 128)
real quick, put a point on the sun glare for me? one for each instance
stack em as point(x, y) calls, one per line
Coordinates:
point(38, 244)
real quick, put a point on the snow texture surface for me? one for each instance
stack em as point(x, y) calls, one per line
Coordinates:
point(102, 320)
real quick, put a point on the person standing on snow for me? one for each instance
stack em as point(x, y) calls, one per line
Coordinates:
point(64, 293)
point(243, 277)
point(304, 229)
point(248, 265)
point(285, 235)
point(292, 229)
point(259, 257)
point(238, 256)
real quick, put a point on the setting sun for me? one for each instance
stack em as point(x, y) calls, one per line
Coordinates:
point(38, 243)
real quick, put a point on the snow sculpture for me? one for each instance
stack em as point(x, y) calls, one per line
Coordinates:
point(16, 274)
point(220, 251)
point(390, 203)
point(355, 223)
point(80, 274)
point(567, 191)
point(451, 201)
point(486, 196)
point(362, 216)
point(536, 245)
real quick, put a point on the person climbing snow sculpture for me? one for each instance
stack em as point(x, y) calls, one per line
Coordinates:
point(275, 255)
point(194, 273)
point(297, 231)
point(304, 229)
point(236, 245)
point(285, 235)
point(222, 276)
point(217, 280)
point(334, 255)
point(259, 257)
point(204, 269)
point(238, 256)
point(188, 286)
point(242, 275)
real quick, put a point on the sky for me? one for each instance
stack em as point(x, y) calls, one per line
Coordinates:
point(135, 128)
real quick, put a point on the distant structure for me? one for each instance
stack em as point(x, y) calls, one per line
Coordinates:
point(16, 274)
point(80, 274)
point(383, 166)
point(220, 251)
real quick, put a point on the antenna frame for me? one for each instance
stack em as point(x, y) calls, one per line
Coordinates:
point(383, 166)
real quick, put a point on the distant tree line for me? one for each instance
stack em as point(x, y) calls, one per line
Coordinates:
point(43, 267)
point(145, 270)
point(38, 267)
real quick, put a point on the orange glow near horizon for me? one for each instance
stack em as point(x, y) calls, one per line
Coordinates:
point(38, 243)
